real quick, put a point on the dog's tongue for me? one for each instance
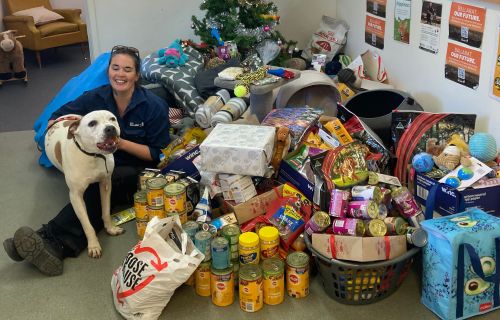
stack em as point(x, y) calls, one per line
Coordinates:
point(110, 144)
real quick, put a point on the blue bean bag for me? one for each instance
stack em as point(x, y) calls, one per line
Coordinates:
point(92, 77)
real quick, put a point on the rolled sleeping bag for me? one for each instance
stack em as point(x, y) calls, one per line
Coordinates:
point(207, 110)
point(230, 112)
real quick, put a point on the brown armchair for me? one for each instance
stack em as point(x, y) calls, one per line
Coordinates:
point(71, 30)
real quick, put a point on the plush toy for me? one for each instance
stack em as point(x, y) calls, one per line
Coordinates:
point(173, 56)
point(11, 57)
point(483, 146)
point(451, 157)
point(433, 148)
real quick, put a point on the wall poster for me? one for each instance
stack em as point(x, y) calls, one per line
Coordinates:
point(463, 65)
point(430, 26)
point(495, 86)
point(402, 20)
point(376, 7)
point(375, 31)
point(467, 24)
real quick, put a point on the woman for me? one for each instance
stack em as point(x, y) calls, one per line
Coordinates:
point(143, 121)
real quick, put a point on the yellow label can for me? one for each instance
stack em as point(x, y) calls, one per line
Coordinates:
point(222, 286)
point(154, 187)
point(274, 281)
point(155, 212)
point(251, 290)
point(297, 274)
point(182, 215)
point(175, 197)
point(140, 205)
point(248, 247)
point(141, 227)
point(202, 279)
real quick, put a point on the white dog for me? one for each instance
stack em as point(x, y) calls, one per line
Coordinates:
point(82, 148)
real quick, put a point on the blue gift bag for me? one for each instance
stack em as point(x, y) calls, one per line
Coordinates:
point(460, 276)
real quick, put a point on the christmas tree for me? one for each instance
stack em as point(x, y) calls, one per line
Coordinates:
point(247, 23)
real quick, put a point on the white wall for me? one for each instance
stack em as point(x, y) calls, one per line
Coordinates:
point(421, 73)
point(149, 25)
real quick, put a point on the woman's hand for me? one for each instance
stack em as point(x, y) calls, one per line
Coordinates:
point(141, 151)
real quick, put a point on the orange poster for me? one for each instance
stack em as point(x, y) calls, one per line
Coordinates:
point(463, 65)
point(375, 31)
point(495, 90)
point(467, 24)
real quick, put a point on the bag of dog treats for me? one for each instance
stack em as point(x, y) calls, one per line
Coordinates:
point(329, 39)
point(151, 271)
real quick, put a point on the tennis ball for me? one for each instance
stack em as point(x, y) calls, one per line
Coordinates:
point(240, 91)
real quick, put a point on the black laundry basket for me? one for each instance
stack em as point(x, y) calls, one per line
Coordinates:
point(362, 283)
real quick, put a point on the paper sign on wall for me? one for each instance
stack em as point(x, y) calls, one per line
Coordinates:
point(402, 21)
point(495, 83)
point(376, 7)
point(467, 24)
point(375, 31)
point(463, 65)
point(430, 26)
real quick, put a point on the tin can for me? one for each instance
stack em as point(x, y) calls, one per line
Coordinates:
point(175, 197)
point(182, 215)
point(202, 242)
point(274, 281)
point(220, 253)
point(141, 225)
point(416, 236)
point(249, 248)
point(269, 242)
point(222, 286)
point(251, 288)
point(155, 212)
point(396, 225)
point(145, 176)
point(297, 274)
point(405, 203)
point(375, 228)
point(202, 279)
point(231, 232)
point(415, 220)
point(366, 193)
point(191, 227)
point(382, 211)
point(349, 226)
point(154, 187)
point(362, 209)
point(318, 223)
point(173, 175)
point(141, 204)
point(236, 270)
point(338, 203)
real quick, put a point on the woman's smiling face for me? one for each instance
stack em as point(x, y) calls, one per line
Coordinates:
point(122, 73)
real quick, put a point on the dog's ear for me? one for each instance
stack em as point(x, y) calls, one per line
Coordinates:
point(72, 128)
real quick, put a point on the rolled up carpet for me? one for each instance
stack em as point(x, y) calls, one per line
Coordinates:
point(207, 110)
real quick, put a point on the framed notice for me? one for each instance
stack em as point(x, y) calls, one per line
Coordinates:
point(463, 65)
point(495, 83)
point(467, 24)
point(402, 20)
point(376, 7)
point(375, 31)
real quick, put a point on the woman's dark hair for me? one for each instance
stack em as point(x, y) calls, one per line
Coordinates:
point(130, 51)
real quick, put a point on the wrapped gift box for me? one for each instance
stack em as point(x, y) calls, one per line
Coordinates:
point(238, 149)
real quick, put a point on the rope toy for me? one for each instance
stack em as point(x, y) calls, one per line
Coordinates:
point(244, 80)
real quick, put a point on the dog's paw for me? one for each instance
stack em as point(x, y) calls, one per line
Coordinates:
point(94, 251)
point(114, 231)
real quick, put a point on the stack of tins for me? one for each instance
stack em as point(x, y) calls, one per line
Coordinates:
point(175, 200)
point(261, 276)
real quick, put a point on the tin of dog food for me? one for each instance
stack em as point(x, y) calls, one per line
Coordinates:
point(362, 209)
point(297, 274)
point(251, 288)
point(175, 197)
point(191, 227)
point(202, 242)
point(366, 193)
point(220, 253)
point(338, 203)
point(202, 279)
point(222, 286)
point(405, 202)
point(318, 222)
point(274, 281)
point(416, 236)
point(155, 212)
point(182, 215)
point(382, 211)
point(249, 248)
point(154, 187)
point(415, 220)
point(269, 239)
point(174, 175)
point(395, 225)
point(141, 225)
point(236, 270)
point(231, 232)
point(375, 228)
point(349, 226)
point(146, 175)
point(140, 205)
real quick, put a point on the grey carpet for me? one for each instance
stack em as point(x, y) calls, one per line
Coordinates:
point(20, 104)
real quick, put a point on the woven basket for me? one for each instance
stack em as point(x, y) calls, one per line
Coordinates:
point(362, 283)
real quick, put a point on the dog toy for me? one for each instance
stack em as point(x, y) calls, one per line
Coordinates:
point(433, 148)
point(422, 162)
point(215, 33)
point(281, 145)
point(11, 57)
point(483, 146)
point(244, 80)
point(173, 56)
point(450, 158)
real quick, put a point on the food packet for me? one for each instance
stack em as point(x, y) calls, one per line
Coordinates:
point(328, 39)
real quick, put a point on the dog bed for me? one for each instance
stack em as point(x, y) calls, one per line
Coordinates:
point(179, 81)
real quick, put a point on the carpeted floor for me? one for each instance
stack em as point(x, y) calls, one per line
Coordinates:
point(21, 104)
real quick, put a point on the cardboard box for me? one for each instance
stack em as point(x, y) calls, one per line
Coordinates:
point(185, 163)
point(238, 149)
point(287, 173)
point(252, 208)
point(360, 249)
point(485, 199)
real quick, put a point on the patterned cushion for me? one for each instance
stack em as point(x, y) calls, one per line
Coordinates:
point(179, 81)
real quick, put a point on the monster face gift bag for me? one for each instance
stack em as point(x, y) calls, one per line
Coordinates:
point(461, 278)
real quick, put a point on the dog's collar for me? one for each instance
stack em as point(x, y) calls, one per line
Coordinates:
point(95, 155)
